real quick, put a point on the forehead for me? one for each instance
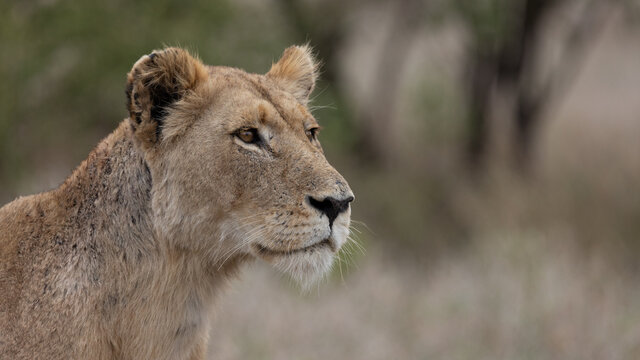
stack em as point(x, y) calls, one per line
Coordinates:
point(255, 96)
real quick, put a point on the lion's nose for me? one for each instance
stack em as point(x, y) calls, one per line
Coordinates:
point(330, 206)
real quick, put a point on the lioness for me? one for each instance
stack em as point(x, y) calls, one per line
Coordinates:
point(213, 167)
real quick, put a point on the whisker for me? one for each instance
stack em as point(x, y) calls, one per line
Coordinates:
point(256, 233)
point(365, 226)
point(356, 245)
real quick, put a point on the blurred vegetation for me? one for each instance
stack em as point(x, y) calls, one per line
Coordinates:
point(64, 63)
point(411, 91)
point(493, 143)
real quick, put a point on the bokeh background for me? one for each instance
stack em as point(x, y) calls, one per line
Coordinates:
point(493, 147)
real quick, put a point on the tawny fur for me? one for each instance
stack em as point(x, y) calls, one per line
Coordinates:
point(296, 72)
point(125, 258)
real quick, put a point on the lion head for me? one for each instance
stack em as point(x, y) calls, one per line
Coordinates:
point(236, 165)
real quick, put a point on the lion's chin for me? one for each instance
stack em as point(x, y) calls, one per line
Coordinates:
point(305, 266)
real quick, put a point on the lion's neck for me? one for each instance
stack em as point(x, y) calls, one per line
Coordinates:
point(109, 197)
point(133, 272)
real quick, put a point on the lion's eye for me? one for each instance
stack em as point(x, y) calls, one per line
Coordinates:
point(248, 135)
point(312, 133)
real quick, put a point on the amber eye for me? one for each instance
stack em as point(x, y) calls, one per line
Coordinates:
point(312, 133)
point(248, 135)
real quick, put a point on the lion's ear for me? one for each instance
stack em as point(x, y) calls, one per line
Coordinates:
point(154, 84)
point(296, 72)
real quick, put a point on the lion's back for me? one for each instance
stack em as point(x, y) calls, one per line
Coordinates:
point(13, 220)
point(24, 234)
point(12, 217)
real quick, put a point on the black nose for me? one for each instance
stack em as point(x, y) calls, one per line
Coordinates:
point(331, 207)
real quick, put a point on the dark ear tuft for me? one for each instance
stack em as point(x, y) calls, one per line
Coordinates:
point(154, 84)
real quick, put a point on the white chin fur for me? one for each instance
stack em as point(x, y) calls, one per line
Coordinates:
point(306, 269)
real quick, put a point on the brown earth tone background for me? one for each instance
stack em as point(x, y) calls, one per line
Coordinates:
point(493, 147)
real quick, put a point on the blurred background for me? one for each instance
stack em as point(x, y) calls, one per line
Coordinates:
point(493, 147)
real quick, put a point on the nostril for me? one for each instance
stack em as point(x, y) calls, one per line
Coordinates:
point(330, 206)
point(322, 205)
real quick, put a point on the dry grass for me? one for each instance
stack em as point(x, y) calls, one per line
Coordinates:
point(516, 296)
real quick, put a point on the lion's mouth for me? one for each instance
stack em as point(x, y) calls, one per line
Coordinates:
point(265, 251)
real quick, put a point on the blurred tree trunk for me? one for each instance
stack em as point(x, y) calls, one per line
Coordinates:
point(481, 75)
point(503, 60)
point(326, 34)
point(515, 69)
point(499, 60)
point(509, 60)
point(378, 121)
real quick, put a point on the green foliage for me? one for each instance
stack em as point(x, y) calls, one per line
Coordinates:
point(63, 67)
point(489, 21)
